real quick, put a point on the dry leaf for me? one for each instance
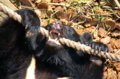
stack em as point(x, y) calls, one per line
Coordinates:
point(105, 40)
point(111, 74)
point(112, 42)
point(61, 15)
point(102, 32)
point(118, 22)
point(110, 47)
point(105, 74)
point(85, 18)
point(25, 2)
point(117, 66)
point(43, 15)
point(71, 13)
point(119, 75)
point(64, 21)
point(115, 50)
point(37, 1)
point(90, 23)
point(110, 23)
point(118, 52)
point(79, 31)
point(117, 43)
point(38, 12)
point(118, 26)
point(90, 29)
point(98, 10)
point(95, 35)
point(44, 22)
point(116, 33)
point(42, 5)
point(49, 12)
point(59, 8)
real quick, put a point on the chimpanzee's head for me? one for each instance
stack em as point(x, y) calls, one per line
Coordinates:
point(58, 30)
point(52, 49)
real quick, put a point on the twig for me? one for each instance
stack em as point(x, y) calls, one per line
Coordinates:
point(85, 9)
point(117, 3)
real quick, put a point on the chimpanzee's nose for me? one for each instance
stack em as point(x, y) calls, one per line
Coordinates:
point(56, 25)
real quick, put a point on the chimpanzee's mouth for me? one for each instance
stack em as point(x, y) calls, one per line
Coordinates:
point(54, 36)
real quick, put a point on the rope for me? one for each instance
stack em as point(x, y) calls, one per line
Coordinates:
point(67, 42)
point(10, 13)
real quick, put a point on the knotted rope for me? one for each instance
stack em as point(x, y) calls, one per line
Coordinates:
point(67, 42)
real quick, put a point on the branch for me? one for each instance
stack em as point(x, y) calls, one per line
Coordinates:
point(117, 3)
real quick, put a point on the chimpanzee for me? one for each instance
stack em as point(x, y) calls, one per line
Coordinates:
point(18, 42)
point(54, 59)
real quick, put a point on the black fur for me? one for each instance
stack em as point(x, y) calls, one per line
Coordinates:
point(15, 56)
point(18, 42)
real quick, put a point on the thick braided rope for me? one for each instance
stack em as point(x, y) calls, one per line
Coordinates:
point(10, 13)
point(65, 41)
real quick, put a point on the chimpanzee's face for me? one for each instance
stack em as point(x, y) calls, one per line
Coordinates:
point(52, 50)
point(58, 30)
point(55, 32)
